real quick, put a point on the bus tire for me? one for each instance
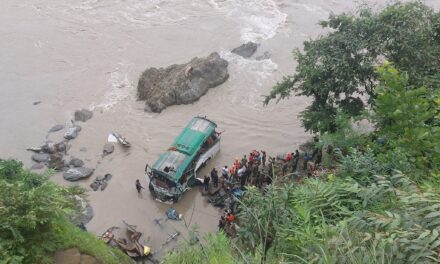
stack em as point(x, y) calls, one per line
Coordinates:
point(151, 188)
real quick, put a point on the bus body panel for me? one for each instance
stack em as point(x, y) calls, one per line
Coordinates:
point(209, 154)
point(174, 171)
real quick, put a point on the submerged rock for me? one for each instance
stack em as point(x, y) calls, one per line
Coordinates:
point(75, 174)
point(266, 55)
point(181, 84)
point(72, 132)
point(37, 166)
point(41, 157)
point(76, 162)
point(56, 161)
point(108, 149)
point(101, 181)
point(246, 50)
point(56, 128)
point(83, 115)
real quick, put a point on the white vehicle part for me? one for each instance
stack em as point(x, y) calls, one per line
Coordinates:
point(209, 154)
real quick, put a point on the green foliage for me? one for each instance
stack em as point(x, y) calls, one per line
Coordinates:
point(404, 117)
point(33, 213)
point(216, 248)
point(346, 135)
point(337, 70)
point(28, 205)
point(260, 214)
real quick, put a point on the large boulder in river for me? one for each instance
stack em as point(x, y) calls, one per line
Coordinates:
point(246, 50)
point(181, 83)
point(75, 174)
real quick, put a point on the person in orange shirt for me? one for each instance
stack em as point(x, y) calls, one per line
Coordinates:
point(237, 164)
point(233, 171)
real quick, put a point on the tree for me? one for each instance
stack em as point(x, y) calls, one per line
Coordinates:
point(407, 118)
point(338, 70)
point(29, 204)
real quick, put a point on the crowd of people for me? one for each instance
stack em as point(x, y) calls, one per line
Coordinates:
point(254, 169)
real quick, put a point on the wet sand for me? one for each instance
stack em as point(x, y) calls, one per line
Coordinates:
point(89, 54)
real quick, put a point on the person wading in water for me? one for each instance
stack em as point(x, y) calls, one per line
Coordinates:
point(139, 186)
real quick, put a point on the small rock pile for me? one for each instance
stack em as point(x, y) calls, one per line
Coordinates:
point(101, 181)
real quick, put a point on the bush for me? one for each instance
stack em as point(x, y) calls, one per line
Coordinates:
point(33, 219)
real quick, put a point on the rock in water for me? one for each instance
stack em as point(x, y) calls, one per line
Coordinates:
point(108, 149)
point(75, 174)
point(56, 128)
point(41, 157)
point(76, 162)
point(56, 161)
point(95, 185)
point(83, 213)
point(246, 50)
point(83, 115)
point(37, 166)
point(266, 55)
point(72, 132)
point(181, 84)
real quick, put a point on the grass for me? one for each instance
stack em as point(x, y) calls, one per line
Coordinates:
point(69, 236)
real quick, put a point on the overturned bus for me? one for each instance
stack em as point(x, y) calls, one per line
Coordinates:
point(174, 172)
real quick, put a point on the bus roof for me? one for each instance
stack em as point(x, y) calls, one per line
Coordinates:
point(185, 147)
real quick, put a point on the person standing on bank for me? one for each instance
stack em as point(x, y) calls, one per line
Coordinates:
point(206, 180)
point(214, 177)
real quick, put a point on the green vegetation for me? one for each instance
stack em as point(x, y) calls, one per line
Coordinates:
point(377, 199)
point(33, 219)
point(338, 70)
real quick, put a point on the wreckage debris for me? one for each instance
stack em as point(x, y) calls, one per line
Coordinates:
point(116, 137)
point(131, 246)
point(173, 214)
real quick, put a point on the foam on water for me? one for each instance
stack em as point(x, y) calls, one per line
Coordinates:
point(259, 72)
point(120, 87)
point(260, 19)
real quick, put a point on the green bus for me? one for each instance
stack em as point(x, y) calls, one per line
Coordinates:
point(174, 171)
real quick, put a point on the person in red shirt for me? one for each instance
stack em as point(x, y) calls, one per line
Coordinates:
point(288, 157)
point(230, 218)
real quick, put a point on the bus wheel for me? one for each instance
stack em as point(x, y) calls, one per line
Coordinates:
point(151, 188)
point(192, 182)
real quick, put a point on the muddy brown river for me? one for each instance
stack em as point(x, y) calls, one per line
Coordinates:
point(75, 54)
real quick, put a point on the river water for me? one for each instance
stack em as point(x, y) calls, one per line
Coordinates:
point(75, 54)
